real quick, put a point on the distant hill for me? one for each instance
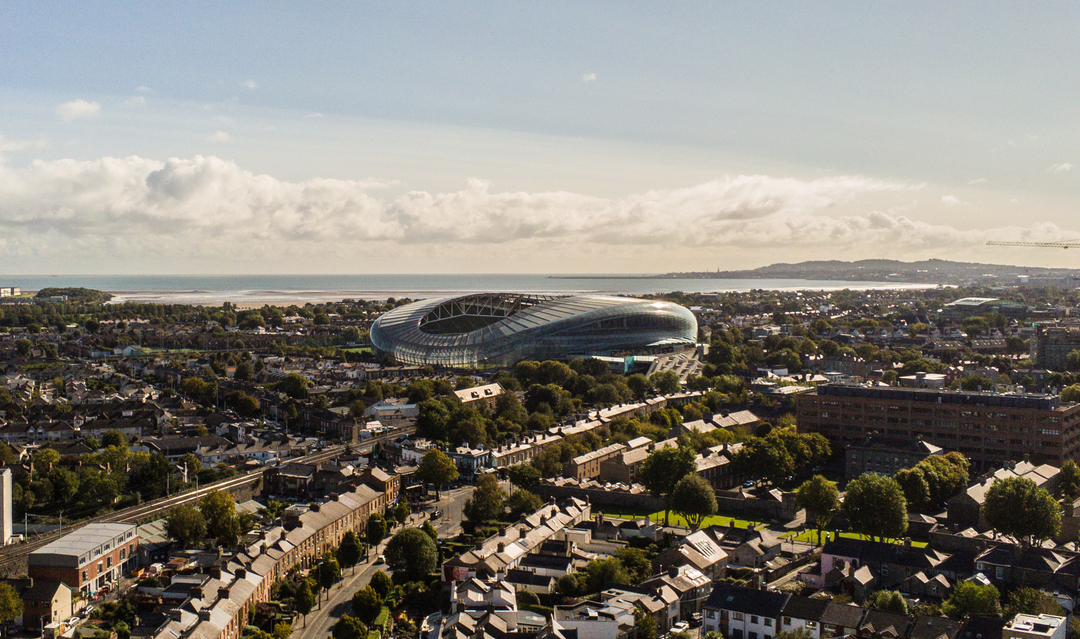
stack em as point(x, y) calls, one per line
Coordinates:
point(76, 295)
point(926, 271)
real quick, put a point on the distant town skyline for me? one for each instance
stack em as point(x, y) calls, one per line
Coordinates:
point(555, 138)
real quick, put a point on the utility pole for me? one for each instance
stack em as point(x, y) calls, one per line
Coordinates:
point(61, 520)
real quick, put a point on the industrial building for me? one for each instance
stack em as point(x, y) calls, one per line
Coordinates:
point(502, 329)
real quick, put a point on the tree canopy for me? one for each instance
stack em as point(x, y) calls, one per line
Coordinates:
point(1017, 507)
point(875, 506)
point(662, 470)
point(821, 500)
point(694, 499)
point(436, 468)
point(412, 552)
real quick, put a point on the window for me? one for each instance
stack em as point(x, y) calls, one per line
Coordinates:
point(787, 621)
point(709, 614)
point(737, 616)
point(752, 635)
point(768, 623)
point(753, 619)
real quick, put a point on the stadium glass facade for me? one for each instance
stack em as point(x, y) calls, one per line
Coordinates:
point(502, 329)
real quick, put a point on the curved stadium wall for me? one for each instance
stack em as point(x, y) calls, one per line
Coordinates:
point(502, 329)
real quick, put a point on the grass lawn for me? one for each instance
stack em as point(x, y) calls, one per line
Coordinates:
point(810, 537)
point(357, 349)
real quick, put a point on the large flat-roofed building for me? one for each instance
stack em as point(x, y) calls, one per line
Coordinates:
point(89, 558)
point(989, 429)
point(1052, 343)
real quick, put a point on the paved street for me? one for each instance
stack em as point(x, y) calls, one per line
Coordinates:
point(319, 623)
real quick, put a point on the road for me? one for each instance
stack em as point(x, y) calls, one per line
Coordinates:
point(320, 622)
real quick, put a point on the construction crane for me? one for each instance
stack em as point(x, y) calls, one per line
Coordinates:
point(1064, 245)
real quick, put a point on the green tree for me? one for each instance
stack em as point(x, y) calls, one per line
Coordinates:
point(1030, 601)
point(644, 624)
point(694, 499)
point(433, 420)
point(968, 598)
point(602, 572)
point(294, 385)
point(382, 584)
point(1017, 507)
point(665, 382)
point(114, 438)
point(219, 509)
point(185, 524)
point(1070, 394)
point(430, 531)
point(303, 599)
point(821, 500)
point(349, 551)
point(11, 605)
point(23, 347)
point(763, 457)
point(366, 604)
point(875, 506)
point(486, 503)
point(243, 403)
point(349, 627)
point(524, 476)
point(916, 491)
point(522, 502)
point(636, 562)
point(329, 571)
point(412, 552)
point(375, 529)
point(889, 601)
point(639, 385)
point(401, 512)
point(436, 468)
point(662, 470)
point(1069, 480)
point(282, 630)
point(245, 373)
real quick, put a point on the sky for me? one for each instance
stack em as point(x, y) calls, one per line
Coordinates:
point(511, 137)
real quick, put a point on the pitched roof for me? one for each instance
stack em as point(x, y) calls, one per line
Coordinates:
point(747, 600)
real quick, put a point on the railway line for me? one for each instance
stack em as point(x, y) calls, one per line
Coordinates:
point(13, 558)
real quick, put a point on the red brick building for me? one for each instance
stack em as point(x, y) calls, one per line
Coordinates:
point(89, 558)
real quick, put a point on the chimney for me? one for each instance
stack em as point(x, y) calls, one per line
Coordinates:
point(673, 570)
point(215, 572)
point(174, 614)
point(195, 592)
point(222, 593)
point(502, 531)
point(204, 614)
point(241, 573)
point(543, 519)
point(501, 547)
point(314, 507)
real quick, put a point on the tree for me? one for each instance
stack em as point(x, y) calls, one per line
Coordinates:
point(245, 373)
point(524, 476)
point(282, 630)
point(23, 347)
point(486, 503)
point(367, 604)
point(185, 524)
point(636, 562)
point(303, 599)
point(433, 420)
point(875, 506)
point(11, 605)
point(401, 512)
point(1070, 394)
point(662, 470)
point(694, 499)
point(294, 385)
point(430, 530)
point(375, 529)
point(916, 491)
point(763, 457)
point(350, 628)
point(436, 468)
point(219, 509)
point(329, 571)
point(114, 438)
point(968, 598)
point(1017, 507)
point(1069, 480)
point(349, 551)
point(382, 583)
point(665, 382)
point(821, 500)
point(1030, 601)
point(522, 502)
point(889, 601)
point(243, 403)
point(644, 624)
point(412, 552)
point(602, 572)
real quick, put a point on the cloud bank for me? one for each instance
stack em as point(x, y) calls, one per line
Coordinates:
point(143, 210)
point(78, 110)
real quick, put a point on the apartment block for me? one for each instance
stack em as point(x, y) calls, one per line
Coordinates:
point(989, 428)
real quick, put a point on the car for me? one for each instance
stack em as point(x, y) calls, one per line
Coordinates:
point(435, 514)
point(87, 610)
point(695, 620)
point(682, 626)
point(380, 559)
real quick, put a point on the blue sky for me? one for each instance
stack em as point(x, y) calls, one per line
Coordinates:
point(531, 137)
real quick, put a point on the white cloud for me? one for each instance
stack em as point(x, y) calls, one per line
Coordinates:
point(1060, 168)
point(19, 145)
point(132, 206)
point(144, 89)
point(951, 200)
point(224, 118)
point(250, 84)
point(136, 102)
point(588, 77)
point(314, 116)
point(218, 136)
point(977, 181)
point(78, 110)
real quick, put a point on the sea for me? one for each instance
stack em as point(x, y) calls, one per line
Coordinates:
point(256, 290)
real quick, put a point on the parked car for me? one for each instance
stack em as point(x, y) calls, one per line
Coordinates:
point(380, 559)
point(682, 626)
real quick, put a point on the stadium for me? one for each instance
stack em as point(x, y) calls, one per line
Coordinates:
point(501, 329)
